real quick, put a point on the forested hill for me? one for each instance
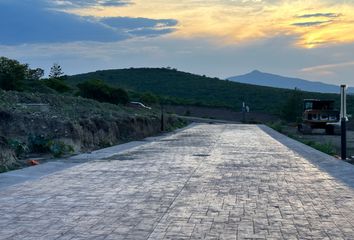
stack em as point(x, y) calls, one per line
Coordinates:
point(197, 89)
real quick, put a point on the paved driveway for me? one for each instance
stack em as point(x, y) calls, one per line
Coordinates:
point(207, 182)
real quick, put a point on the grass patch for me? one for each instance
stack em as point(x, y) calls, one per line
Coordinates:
point(277, 126)
point(327, 148)
point(176, 124)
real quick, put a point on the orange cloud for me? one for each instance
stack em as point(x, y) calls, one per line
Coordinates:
point(315, 23)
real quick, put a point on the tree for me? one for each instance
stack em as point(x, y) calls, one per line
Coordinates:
point(149, 98)
point(118, 95)
point(292, 109)
point(12, 74)
point(34, 74)
point(56, 71)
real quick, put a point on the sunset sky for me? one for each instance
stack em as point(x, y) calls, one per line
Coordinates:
point(311, 39)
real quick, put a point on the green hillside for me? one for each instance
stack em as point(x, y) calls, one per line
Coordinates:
point(196, 89)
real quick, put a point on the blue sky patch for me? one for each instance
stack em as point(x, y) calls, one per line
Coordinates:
point(24, 22)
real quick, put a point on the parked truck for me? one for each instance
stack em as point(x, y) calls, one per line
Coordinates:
point(319, 114)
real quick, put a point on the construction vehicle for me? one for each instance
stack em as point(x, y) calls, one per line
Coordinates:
point(319, 114)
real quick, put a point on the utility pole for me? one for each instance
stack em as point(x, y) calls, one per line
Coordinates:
point(343, 121)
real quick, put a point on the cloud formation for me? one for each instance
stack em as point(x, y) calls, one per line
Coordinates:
point(242, 21)
point(328, 66)
point(310, 24)
point(91, 3)
point(204, 36)
point(327, 15)
point(24, 21)
point(141, 26)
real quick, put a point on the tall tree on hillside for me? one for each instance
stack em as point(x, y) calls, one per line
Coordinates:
point(56, 71)
point(12, 74)
point(292, 109)
point(34, 74)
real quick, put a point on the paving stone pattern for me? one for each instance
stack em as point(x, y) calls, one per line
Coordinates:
point(207, 182)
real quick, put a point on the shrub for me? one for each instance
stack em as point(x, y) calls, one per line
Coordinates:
point(277, 126)
point(57, 84)
point(175, 123)
point(8, 160)
point(38, 144)
point(118, 95)
point(19, 147)
point(59, 148)
point(41, 144)
point(149, 98)
point(100, 91)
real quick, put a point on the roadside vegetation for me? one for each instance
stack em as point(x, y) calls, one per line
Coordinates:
point(49, 117)
point(288, 129)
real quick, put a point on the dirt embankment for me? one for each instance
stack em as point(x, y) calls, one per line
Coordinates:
point(32, 122)
point(83, 134)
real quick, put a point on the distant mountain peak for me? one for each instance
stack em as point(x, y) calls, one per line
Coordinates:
point(257, 77)
point(255, 71)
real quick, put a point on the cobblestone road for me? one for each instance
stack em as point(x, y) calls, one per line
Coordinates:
point(207, 182)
